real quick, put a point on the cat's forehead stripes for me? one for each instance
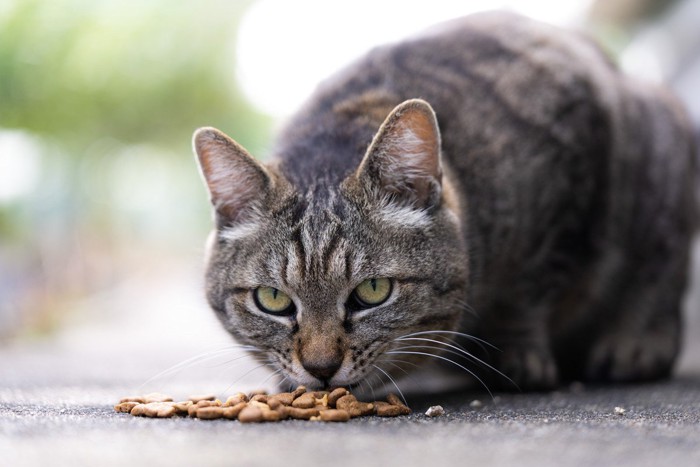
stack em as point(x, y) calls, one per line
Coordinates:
point(318, 248)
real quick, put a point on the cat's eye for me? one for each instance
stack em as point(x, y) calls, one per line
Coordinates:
point(273, 301)
point(370, 293)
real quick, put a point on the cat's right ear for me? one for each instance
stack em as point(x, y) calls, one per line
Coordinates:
point(237, 182)
point(403, 162)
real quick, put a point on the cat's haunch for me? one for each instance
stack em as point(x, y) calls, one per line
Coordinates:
point(495, 183)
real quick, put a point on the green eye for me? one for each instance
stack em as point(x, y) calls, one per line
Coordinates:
point(273, 301)
point(372, 292)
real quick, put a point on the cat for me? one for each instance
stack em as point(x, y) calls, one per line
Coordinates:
point(493, 177)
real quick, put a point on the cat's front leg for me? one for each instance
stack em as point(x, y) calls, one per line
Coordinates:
point(521, 353)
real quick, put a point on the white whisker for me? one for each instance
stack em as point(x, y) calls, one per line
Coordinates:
point(458, 351)
point(393, 382)
point(203, 356)
point(454, 333)
point(404, 352)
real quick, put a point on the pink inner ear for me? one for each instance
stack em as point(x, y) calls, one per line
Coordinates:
point(407, 154)
point(414, 140)
point(235, 180)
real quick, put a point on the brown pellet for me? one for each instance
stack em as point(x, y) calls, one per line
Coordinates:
point(338, 405)
point(210, 413)
point(154, 409)
point(393, 399)
point(335, 395)
point(232, 412)
point(304, 401)
point(271, 416)
point(354, 407)
point(250, 415)
point(125, 407)
point(334, 415)
point(202, 397)
point(139, 399)
point(300, 414)
point(235, 399)
point(390, 410)
point(274, 403)
point(182, 407)
point(156, 397)
point(286, 398)
point(323, 400)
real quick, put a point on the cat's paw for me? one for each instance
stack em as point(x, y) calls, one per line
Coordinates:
point(623, 358)
point(527, 369)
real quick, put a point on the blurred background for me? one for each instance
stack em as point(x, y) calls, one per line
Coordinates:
point(103, 215)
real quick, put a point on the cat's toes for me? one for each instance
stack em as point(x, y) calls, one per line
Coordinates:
point(631, 358)
point(527, 369)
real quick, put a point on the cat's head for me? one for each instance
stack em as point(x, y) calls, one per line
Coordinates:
point(323, 282)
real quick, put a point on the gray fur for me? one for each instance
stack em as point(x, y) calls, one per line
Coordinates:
point(557, 204)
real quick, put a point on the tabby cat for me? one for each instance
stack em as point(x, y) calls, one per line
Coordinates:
point(494, 177)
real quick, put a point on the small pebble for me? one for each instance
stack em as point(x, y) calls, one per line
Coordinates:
point(435, 411)
point(619, 411)
point(475, 404)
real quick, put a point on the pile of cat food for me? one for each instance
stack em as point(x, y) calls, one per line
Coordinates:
point(338, 405)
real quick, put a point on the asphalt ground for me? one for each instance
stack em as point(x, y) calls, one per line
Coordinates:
point(57, 397)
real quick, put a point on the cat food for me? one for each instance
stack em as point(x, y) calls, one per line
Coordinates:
point(338, 405)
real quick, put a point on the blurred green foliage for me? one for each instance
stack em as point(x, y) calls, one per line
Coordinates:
point(132, 71)
point(105, 95)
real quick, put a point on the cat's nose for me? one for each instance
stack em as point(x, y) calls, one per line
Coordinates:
point(324, 369)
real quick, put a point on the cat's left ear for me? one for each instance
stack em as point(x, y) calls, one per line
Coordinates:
point(237, 183)
point(403, 161)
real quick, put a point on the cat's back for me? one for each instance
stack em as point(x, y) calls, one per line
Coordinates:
point(493, 79)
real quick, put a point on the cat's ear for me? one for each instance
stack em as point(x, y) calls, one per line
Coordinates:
point(237, 182)
point(403, 161)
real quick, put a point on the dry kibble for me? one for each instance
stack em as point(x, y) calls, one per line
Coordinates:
point(334, 415)
point(232, 412)
point(210, 413)
point(139, 399)
point(235, 399)
point(305, 401)
point(126, 406)
point(393, 399)
point(338, 405)
point(300, 414)
point(271, 416)
point(390, 410)
point(182, 407)
point(258, 404)
point(323, 400)
point(154, 409)
point(286, 398)
point(335, 395)
point(156, 397)
point(273, 403)
point(250, 415)
point(138, 410)
point(354, 407)
point(202, 397)
point(258, 392)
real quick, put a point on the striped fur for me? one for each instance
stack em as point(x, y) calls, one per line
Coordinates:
point(531, 181)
